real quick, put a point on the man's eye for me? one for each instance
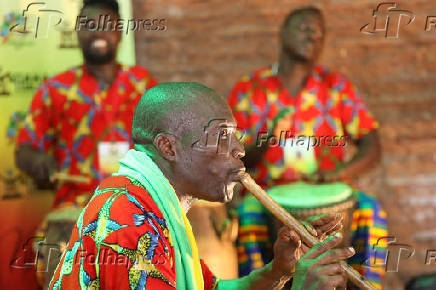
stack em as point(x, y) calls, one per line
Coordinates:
point(224, 133)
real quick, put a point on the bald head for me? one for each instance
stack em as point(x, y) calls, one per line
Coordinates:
point(312, 10)
point(189, 132)
point(178, 108)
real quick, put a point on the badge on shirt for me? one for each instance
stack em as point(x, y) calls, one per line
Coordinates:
point(299, 154)
point(109, 155)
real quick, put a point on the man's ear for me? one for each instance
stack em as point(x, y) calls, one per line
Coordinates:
point(166, 146)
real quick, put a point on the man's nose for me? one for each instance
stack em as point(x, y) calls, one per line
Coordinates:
point(100, 33)
point(315, 34)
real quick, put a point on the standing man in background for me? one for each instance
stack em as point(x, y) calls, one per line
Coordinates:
point(296, 97)
point(78, 121)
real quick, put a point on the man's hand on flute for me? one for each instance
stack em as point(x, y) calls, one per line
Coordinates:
point(316, 268)
point(288, 241)
point(319, 269)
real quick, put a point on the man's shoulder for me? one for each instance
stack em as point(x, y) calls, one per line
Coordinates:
point(63, 79)
point(123, 196)
point(330, 77)
point(129, 187)
point(139, 72)
point(116, 181)
point(260, 74)
point(262, 77)
point(264, 72)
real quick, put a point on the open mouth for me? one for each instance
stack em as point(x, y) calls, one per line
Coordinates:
point(228, 191)
point(99, 44)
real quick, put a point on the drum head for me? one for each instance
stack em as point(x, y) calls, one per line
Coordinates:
point(305, 195)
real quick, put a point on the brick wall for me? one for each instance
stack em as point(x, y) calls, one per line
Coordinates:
point(215, 42)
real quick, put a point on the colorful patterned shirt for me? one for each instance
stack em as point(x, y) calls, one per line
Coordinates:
point(72, 112)
point(328, 106)
point(121, 241)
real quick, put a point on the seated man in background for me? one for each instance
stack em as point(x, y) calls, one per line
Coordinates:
point(134, 234)
point(74, 118)
point(298, 102)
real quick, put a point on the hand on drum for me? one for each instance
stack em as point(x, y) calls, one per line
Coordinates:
point(37, 164)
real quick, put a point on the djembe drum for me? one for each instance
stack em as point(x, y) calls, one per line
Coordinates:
point(304, 200)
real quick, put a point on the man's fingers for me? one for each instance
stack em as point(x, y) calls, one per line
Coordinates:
point(287, 235)
point(304, 248)
point(328, 227)
point(324, 246)
point(287, 249)
point(336, 281)
point(310, 229)
point(323, 219)
point(335, 255)
point(331, 232)
point(331, 269)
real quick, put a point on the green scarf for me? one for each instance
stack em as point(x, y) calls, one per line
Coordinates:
point(138, 165)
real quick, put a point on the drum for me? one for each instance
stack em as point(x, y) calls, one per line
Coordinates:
point(215, 234)
point(303, 200)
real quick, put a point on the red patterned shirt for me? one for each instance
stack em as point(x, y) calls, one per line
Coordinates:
point(72, 112)
point(328, 109)
point(121, 241)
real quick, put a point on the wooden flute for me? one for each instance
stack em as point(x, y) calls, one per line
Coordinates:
point(293, 224)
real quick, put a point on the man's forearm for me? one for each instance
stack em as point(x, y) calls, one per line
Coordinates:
point(259, 279)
